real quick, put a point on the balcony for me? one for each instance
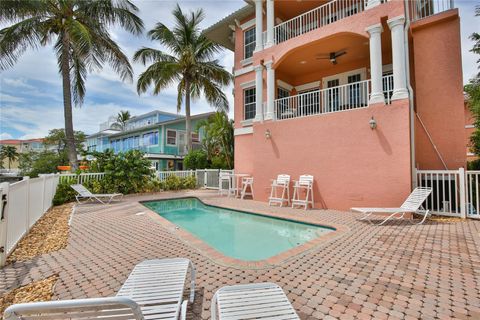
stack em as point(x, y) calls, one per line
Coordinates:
point(336, 99)
point(316, 18)
point(421, 9)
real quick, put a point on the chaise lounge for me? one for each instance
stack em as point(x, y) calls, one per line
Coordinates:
point(252, 301)
point(153, 290)
point(413, 204)
point(84, 193)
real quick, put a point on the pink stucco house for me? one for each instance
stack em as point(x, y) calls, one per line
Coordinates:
point(358, 93)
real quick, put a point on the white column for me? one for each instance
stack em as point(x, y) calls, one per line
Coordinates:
point(398, 56)
point(270, 90)
point(372, 3)
point(270, 24)
point(259, 93)
point(375, 31)
point(258, 25)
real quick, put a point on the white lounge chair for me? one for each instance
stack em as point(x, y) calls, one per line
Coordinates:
point(283, 183)
point(154, 290)
point(413, 204)
point(304, 183)
point(84, 193)
point(252, 301)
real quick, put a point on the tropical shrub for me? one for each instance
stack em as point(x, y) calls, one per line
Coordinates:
point(196, 159)
point(126, 173)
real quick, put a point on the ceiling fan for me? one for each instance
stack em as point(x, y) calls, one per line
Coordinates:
point(332, 56)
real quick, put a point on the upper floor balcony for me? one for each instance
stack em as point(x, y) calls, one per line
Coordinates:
point(309, 16)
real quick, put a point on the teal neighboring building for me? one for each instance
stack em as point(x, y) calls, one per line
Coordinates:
point(160, 135)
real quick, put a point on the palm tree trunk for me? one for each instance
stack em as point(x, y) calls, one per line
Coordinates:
point(67, 104)
point(188, 125)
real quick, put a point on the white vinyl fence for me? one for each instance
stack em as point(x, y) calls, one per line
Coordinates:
point(22, 204)
point(163, 175)
point(206, 178)
point(81, 178)
point(455, 192)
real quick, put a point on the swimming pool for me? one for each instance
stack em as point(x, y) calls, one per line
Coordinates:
point(236, 234)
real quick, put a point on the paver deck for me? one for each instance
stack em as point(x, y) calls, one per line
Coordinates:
point(397, 271)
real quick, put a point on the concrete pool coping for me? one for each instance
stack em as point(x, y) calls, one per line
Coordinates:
point(217, 257)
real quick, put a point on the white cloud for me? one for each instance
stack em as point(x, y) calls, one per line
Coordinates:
point(5, 135)
point(17, 83)
point(8, 98)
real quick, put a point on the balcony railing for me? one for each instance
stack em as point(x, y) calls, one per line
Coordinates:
point(342, 98)
point(321, 16)
point(421, 9)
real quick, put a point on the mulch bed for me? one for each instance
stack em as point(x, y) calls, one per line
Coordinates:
point(36, 291)
point(49, 234)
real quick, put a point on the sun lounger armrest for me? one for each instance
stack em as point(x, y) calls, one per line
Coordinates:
point(15, 312)
point(183, 310)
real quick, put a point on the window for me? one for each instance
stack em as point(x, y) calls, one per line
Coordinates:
point(150, 138)
point(195, 137)
point(249, 43)
point(249, 97)
point(136, 141)
point(171, 137)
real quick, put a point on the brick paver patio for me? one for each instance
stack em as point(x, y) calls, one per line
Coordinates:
point(398, 271)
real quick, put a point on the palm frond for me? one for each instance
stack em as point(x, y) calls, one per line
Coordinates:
point(17, 38)
point(149, 55)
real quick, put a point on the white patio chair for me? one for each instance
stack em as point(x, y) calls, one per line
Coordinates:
point(225, 177)
point(283, 183)
point(84, 193)
point(252, 301)
point(305, 183)
point(247, 183)
point(154, 290)
point(413, 204)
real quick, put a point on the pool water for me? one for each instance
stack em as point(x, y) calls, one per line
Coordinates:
point(236, 234)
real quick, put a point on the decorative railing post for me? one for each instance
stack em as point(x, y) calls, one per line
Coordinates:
point(3, 221)
point(463, 194)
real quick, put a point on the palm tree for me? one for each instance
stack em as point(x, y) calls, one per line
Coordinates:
point(82, 42)
point(219, 137)
point(191, 64)
point(10, 153)
point(122, 118)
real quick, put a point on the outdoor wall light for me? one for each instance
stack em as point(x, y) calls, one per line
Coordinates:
point(268, 134)
point(373, 123)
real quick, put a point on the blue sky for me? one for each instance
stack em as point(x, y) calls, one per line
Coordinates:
point(31, 96)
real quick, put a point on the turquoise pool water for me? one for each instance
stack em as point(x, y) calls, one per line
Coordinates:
point(236, 234)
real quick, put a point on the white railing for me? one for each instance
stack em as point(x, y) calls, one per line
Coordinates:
point(23, 203)
point(321, 16)
point(420, 9)
point(206, 178)
point(455, 193)
point(387, 82)
point(80, 178)
point(341, 98)
point(10, 171)
point(448, 191)
point(163, 175)
point(472, 194)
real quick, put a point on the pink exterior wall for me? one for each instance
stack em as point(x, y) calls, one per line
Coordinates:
point(439, 91)
point(353, 165)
